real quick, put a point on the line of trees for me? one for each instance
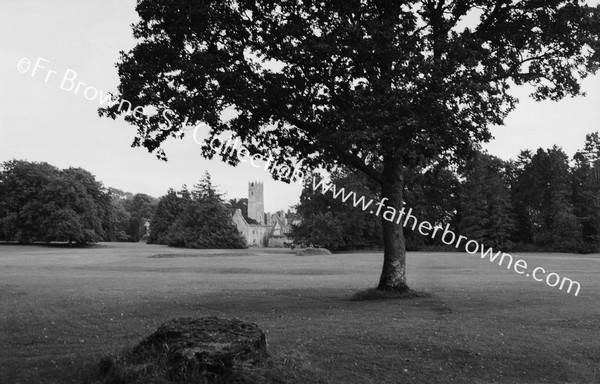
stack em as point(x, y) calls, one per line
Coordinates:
point(42, 203)
point(540, 201)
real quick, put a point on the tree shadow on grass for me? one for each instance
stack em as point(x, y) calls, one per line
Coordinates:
point(377, 294)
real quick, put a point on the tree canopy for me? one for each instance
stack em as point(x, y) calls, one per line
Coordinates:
point(541, 201)
point(485, 209)
point(586, 191)
point(400, 83)
point(41, 203)
point(194, 219)
point(329, 223)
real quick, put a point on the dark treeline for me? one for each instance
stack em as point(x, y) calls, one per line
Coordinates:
point(540, 201)
point(129, 216)
point(41, 203)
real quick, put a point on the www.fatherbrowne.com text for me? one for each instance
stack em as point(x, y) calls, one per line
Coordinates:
point(448, 237)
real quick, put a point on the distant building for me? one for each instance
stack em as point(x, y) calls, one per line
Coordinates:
point(272, 230)
point(255, 234)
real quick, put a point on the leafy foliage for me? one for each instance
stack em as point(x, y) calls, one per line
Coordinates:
point(430, 193)
point(141, 208)
point(321, 231)
point(196, 219)
point(543, 191)
point(40, 203)
point(128, 215)
point(329, 223)
point(242, 205)
point(485, 210)
point(586, 192)
point(117, 222)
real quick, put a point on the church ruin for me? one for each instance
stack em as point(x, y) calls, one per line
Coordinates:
point(272, 229)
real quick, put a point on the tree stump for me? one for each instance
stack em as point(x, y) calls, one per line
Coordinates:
point(185, 348)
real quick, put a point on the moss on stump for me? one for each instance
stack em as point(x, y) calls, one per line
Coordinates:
point(205, 349)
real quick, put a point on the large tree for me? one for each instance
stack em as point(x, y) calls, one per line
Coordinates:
point(432, 193)
point(485, 212)
point(118, 219)
point(544, 193)
point(140, 208)
point(41, 203)
point(586, 192)
point(194, 219)
point(377, 85)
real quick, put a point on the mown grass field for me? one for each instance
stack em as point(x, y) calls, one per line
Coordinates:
point(62, 309)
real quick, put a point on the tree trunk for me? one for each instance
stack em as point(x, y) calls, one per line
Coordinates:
point(111, 230)
point(393, 274)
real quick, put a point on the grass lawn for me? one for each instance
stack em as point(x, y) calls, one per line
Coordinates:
point(62, 309)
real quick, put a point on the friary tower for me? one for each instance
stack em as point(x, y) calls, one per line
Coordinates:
point(256, 201)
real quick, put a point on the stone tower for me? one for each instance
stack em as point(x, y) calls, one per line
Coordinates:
point(256, 201)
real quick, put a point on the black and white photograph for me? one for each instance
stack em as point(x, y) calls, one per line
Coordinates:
point(299, 191)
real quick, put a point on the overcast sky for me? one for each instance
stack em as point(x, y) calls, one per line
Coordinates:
point(39, 121)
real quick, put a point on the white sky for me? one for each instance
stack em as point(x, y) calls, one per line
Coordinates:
point(39, 121)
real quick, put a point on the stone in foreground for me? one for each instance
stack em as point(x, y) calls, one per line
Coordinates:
point(196, 347)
